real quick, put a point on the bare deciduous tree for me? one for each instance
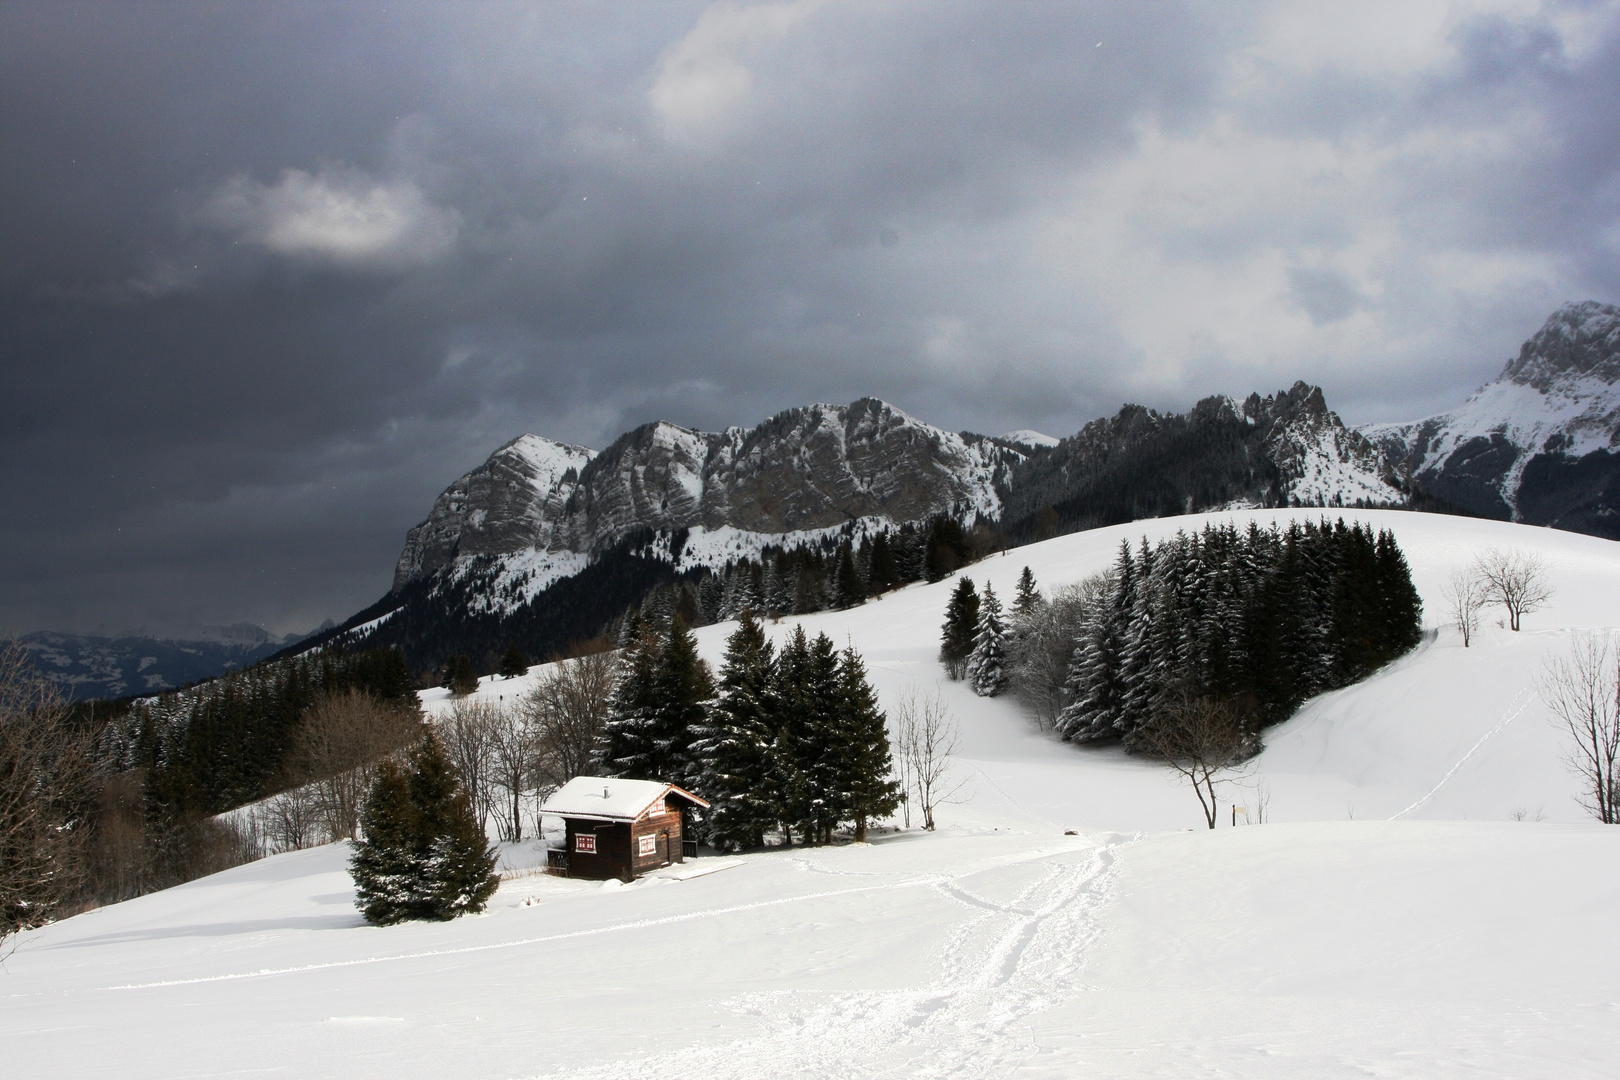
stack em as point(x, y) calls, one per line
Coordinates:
point(468, 732)
point(339, 743)
point(568, 709)
point(1583, 691)
point(512, 767)
point(1043, 647)
point(1203, 739)
point(47, 795)
point(925, 737)
point(1466, 593)
point(1516, 579)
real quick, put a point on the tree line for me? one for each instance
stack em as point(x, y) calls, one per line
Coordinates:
point(791, 743)
point(1261, 619)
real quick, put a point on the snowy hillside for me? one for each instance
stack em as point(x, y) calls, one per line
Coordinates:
point(1392, 919)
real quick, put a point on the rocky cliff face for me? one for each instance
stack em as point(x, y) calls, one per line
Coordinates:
point(1538, 444)
point(1287, 448)
point(802, 470)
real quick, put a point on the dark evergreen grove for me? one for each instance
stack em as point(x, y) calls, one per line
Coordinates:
point(422, 854)
point(791, 743)
point(226, 742)
point(1264, 619)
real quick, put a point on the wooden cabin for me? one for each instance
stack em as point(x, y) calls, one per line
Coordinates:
point(619, 828)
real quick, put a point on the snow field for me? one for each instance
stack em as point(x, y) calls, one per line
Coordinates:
point(1315, 946)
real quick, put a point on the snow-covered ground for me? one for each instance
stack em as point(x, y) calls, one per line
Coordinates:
point(1392, 918)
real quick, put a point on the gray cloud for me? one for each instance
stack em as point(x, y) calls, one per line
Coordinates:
point(273, 274)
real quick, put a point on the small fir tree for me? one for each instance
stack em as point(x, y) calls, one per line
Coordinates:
point(460, 677)
point(423, 854)
point(987, 665)
point(1027, 601)
point(514, 663)
point(884, 574)
point(851, 590)
point(866, 788)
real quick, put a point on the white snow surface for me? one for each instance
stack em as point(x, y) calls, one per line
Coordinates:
point(1391, 919)
point(1027, 437)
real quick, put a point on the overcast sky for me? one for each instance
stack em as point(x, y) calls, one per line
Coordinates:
point(274, 274)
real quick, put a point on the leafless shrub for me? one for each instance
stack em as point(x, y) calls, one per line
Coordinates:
point(338, 745)
point(925, 739)
point(1515, 579)
point(1466, 594)
point(568, 710)
point(1583, 691)
point(1203, 739)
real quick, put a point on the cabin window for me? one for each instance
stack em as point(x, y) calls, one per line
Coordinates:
point(649, 845)
point(585, 842)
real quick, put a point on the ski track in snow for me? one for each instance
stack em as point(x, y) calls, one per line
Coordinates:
point(1002, 965)
point(1515, 709)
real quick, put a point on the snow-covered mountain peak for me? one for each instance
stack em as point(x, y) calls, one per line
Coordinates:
point(1579, 342)
point(1026, 437)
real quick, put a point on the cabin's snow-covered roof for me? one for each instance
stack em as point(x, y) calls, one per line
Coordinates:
point(610, 798)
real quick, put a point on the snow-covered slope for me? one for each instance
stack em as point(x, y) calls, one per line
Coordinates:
point(1535, 444)
point(1368, 929)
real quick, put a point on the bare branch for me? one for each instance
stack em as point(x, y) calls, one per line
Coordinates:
point(1582, 690)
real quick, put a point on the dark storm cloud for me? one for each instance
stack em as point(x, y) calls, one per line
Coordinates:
point(272, 275)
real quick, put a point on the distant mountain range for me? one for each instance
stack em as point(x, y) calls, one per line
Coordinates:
point(86, 666)
point(544, 541)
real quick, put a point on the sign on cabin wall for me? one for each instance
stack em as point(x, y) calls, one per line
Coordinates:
point(584, 842)
point(649, 845)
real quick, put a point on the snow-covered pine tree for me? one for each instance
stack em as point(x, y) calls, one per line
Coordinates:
point(866, 788)
point(821, 749)
point(987, 664)
point(791, 693)
point(961, 623)
point(1095, 689)
point(681, 690)
point(382, 864)
point(1027, 600)
point(422, 854)
point(627, 737)
point(734, 750)
point(456, 859)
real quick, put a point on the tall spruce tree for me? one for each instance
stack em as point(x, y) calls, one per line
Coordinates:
point(681, 689)
point(866, 789)
point(733, 753)
point(792, 694)
point(884, 575)
point(627, 737)
point(849, 588)
point(961, 623)
point(987, 664)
